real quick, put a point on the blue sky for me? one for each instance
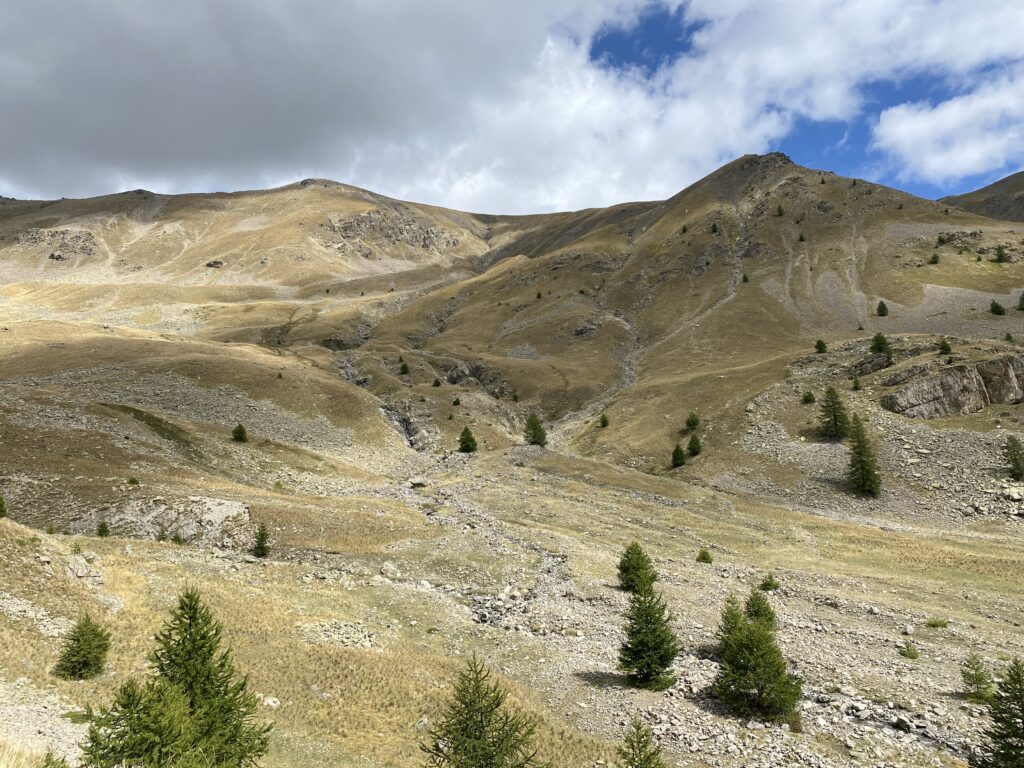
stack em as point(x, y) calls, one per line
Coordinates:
point(661, 35)
point(492, 106)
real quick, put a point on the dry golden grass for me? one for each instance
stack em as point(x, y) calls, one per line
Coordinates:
point(13, 757)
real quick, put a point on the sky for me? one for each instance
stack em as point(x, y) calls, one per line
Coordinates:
point(500, 106)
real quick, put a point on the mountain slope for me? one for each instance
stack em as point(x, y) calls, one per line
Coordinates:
point(1002, 200)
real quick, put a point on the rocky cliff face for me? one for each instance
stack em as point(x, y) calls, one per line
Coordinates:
point(960, 389)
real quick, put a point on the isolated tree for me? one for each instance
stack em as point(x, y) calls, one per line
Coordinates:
point(404, 369)
point(239, 435)
point(881, 344)
point(535, 434)
point(820, 346)
point(1014, 453)
point(692, 422)
point(639, 749)
point(1004, 747)
point(603, 421)
point(944, 347)
point(863, 473)
point(714, 228)
point(261, 547)
point(856, 384)
point(467, 443)
point(769, 583)
point(704, 556)
point(650, 646)
point(3, 506)
point(883, 309)
point(678, 456)
point(996, 308)
point(757, 608)
point(478, 729)
point(636, 571)
point(85, 650)
point(833, 424)
point(693, 447)
point(1001, 257)
point(193, 712)
point(779, 212)
point(934, 259)
point(808, 398)
point(752, 675)
point(977, 680)
point(1020, 302)
point(103, 529)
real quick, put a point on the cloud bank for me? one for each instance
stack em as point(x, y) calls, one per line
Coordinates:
point(481, 104)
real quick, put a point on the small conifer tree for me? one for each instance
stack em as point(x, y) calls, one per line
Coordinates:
point(603, 422)
point(85, 650)
point(879, 343)
point(692, 422)
point(239, 435)
point(704, 556)
point(478, 728)
point(3, 506)
point(757, 608)
point(863, 472)
point(535, 433)
point(820, 346)
point(909, 651)
point(769, 583)
point(977, 680)
point(934, 259)
point(833, 424)
point(1004, 747)
point(1020, 302)
point(808, 398)
point(779, 212)
point(636, 571)
point(694, 447)
point(996, 308)
point(883, 309)
point(103, 529)
point(944, 346)
point(467, 443)
point(639, 749)
point(856, 384)
point(1001, 257)
point(261, 547)
point(650, 646)
point(752, 677)
point(1014, 453)
point(678, 456)
point(404, 369)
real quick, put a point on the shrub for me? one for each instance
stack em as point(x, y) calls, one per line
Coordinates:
point(437, 383)
point(833, 423)
point(944, 347)
point(693, 447)
point(977, 680)
point(133, 481)
point(801, 238)
point(239, 435)
point(714, 228)
point(261, 547)
point(603, 421)
point(863, 473)
point(936, 623)
point(515, 397)
point(745, 278)
point(1020, 302)
point(808, 398)
point(1004, 747)
point(779, 212)
point(934, 259)
point(752, 676)
point(534, 432)
point(820, 346)
point(769, 583)
point(678, 456)
point(194, 705)
point(404, 370)
point(879, 343)
point(103, 529)
point(650, 646)
point(908, 650)
point(467, 443)
point(85, 650)
point(883, 309)
point(51, 529)
point(1014, 453)
point(757, 608)
point(638, 749)
point(856, 384)
point(3, 506)
point(456, 402)
point(704, 556)
point(1001, 257)
point(478, 728)
point(692, 422)
point(996, 308)
point(636, 571)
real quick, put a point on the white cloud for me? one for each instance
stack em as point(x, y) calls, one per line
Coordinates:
point(476, 104)
point(966, 135)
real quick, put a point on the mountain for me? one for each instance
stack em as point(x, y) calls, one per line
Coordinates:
point(356, 336)
point(1002, 200)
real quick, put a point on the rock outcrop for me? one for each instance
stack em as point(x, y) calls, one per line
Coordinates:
point(960, 389)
